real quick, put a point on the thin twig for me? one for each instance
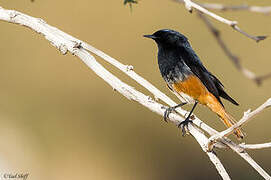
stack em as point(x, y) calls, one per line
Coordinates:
point(255, 146)
point(236, 61)
point(260, 79)
point(244, 7)
point(221, 43)
point(190, 5)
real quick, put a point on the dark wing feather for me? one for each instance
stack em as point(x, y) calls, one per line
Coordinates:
point(221, 91)
point(213, 85)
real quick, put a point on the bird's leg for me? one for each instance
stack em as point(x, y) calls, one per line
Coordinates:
point(183, 125)
point(171, 109)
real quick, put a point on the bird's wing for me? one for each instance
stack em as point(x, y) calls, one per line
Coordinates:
point(221, 90)
point(190, 58)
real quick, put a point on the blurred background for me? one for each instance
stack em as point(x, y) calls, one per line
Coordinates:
point(60, 121)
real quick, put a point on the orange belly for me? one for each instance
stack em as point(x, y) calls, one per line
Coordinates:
point(192, 87)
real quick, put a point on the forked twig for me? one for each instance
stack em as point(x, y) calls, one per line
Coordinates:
point(190, 5)
point(236, 61)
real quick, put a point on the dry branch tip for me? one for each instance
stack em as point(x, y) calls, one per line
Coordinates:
point(260, 38)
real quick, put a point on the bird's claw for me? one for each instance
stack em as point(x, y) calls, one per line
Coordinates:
point(167, 112)
point(184, 126)
point(172, 109)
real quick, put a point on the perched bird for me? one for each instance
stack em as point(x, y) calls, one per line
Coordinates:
point(188, 79)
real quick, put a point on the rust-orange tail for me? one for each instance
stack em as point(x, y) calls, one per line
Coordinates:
point(228, 120)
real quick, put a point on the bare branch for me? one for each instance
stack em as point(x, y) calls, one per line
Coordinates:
point(244, 7)
point(236, 61)
point(241, 152)
point(222, 7)
point(190, 4)
point(199, 136)
point(66, 43)
point(255, 146)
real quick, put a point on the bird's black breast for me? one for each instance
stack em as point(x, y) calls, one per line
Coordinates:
point(172, 67)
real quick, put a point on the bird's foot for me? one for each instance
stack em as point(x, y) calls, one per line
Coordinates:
point(168, 111)
point(184, 126)
point(172, 109)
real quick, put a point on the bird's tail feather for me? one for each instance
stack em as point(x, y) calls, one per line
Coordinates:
point(228, 120)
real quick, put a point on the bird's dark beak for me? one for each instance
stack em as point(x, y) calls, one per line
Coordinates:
point(150, 36)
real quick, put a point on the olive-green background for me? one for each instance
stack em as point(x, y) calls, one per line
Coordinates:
point(59, 121)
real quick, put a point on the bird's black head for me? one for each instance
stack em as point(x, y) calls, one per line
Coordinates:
point(167, 37)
